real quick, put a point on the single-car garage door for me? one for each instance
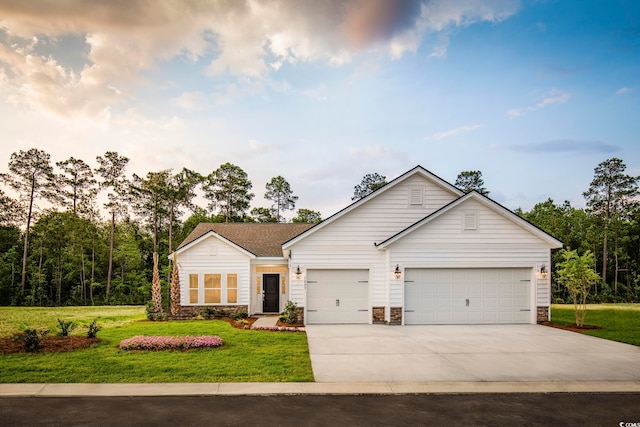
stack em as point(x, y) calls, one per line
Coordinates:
point(337, 296)
point(467, 296)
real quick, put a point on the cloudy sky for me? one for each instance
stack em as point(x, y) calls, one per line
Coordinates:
point(533, 93)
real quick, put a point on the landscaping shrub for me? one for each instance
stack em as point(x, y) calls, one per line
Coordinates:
point(66, 327)
point(209, 312)
point(93, 328)
point(240, 315)
point(290, 313)
point(141, 342)
point(31, 339)
point(152, 313)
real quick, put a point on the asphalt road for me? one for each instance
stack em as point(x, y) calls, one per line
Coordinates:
point(549, 409)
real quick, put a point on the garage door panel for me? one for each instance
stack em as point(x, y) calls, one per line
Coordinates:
point(455, 296)
point(337, 296)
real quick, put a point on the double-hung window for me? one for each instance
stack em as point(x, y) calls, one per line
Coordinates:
point(212, 288)
point(232, 288)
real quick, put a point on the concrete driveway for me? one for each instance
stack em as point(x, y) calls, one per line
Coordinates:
point(380, 353)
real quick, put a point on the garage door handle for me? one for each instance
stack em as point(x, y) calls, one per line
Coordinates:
point(364, 310)
point(311, 310)
point(467, 302)
point(337, 303)
point(526, 309)
point(409, 311)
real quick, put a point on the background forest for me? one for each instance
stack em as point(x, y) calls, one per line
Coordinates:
point(71, 234)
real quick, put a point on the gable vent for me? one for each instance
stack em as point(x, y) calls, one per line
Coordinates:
point(470, 220)
point(416, 196)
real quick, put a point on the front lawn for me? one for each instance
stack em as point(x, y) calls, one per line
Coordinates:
point(618, 322)
point(247, 356)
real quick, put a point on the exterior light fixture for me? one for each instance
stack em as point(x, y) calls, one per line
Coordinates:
point(543, 271)
point(397, 272)
point(298, 273)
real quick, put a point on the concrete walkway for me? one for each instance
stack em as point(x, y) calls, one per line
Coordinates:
point(249, 389)
point(266, 321)
point(485, 353)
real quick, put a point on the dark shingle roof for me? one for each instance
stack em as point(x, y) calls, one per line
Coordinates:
point(261, 239)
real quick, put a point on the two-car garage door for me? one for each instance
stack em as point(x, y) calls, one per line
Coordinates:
point(338, 296)
point(467, 295)
point(432, 296)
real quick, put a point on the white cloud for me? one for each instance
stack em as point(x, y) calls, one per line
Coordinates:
point(452, 132)
point(191, 100)
point(623, 90)
point(555, 96)
point(247, 39)
point(513, 113)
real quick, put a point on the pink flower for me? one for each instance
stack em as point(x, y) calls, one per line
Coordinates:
point(141, 342)
point(276, 328)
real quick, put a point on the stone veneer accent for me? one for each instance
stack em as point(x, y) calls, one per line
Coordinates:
point(378, 314)
point(543, 314)
point(300, 316)
point(190, 311)
point(396, 316)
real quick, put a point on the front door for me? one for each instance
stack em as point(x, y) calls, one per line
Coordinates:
point(271, 293)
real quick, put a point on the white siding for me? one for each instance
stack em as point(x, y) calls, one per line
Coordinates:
point(348, 242)
point(497, 242)
point(212, 255)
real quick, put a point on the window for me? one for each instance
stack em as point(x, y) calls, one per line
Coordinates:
point(232, 288)
point(193, 289)
point(212, 288)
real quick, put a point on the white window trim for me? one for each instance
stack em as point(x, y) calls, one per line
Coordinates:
point(223, 289)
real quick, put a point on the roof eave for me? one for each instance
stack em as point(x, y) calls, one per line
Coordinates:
point(219, 237)
point(491, 204)
point(418, 169)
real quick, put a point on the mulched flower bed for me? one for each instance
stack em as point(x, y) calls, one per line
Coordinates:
point(572, 328)
point(48, 344)
point(290, 325)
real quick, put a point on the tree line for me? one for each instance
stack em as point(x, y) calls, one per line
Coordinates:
point(606, 232)
point(60, 245)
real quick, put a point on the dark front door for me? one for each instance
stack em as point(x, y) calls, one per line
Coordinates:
point(271, 293)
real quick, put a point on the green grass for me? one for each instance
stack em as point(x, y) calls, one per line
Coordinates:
point(618, 322)
point(17, 319)
point(247, 356)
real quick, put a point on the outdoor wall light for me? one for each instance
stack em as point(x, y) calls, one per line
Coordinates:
point(543, 271)
point(298, 273)
point(397, 272)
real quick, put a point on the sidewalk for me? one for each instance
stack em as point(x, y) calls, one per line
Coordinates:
point(248, 389)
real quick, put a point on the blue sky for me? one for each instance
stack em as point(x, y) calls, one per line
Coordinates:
point(534, 93)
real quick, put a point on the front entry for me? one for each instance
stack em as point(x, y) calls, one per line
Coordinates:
point(271, 293)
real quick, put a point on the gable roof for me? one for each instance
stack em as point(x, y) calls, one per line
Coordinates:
point(417, 170)
point(489, 203)
point(259, 239)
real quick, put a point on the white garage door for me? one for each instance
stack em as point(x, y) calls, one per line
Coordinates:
point(337, 296)
point(467, 296)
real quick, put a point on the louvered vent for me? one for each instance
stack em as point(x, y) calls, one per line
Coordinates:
point(470, 221)
point(415, 196)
